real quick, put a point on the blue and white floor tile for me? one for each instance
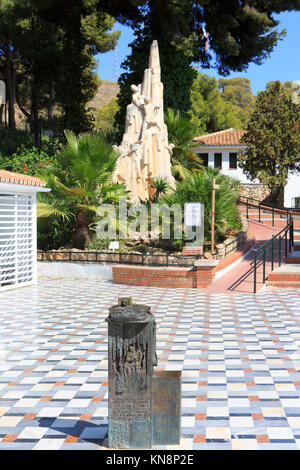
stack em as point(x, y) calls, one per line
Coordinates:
point(239, 355)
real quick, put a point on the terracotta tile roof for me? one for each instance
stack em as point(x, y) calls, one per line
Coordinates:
point(17, 178)
point(227, 137)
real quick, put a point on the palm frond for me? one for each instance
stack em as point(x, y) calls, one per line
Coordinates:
point(46, 210)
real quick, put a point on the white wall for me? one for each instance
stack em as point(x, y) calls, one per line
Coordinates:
point(237, 173)
point(65, 270)
point(17, 239)
point(292, 189)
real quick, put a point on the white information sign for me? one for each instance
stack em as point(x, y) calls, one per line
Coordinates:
point(114, 245)
point(2, 92)
point(192, 214)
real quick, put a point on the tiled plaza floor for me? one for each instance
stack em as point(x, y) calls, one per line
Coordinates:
point(239, 355)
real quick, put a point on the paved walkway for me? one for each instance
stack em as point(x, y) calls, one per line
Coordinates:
point(240, 279)
point(239, 356)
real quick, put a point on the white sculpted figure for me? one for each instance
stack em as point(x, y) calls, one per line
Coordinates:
point(145, 152)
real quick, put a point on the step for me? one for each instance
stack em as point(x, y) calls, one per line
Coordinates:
point(263, 213)
point(284, 284)
point(284, 276)
point(279, 223)
point(293, 257)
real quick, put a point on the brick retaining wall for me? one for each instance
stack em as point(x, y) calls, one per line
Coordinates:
point(201, 275)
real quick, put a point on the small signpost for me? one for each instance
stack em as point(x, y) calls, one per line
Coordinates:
point(214, 187)
point(114, 245)
point(194, 226)
point(192, 214)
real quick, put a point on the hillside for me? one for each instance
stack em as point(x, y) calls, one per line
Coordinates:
point(105, 93)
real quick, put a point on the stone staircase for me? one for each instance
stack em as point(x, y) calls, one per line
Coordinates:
point(288, 274)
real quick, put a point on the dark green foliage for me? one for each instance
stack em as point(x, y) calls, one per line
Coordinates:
point(80, 182)
point(49, 47)
point(105, 116)
point(11, 140)
point(28, 161)
point(209, 112)
point(161, 186)
point(273, 137)
point(168, 22)
point(181, 131)
point(198, 188)
point(237, 92)
point(239, 32)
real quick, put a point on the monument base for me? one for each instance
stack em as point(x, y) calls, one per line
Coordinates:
point(166, 407)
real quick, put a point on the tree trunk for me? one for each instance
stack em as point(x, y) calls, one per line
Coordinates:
point(81, 235)
point(52, 101)
point(10, 83)
point(21, 107)
point(35, 125)
point(276, 196)
point(1, 112)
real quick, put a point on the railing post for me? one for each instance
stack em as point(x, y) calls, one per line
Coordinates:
point(272, 216)
point(264, 266)
point(279, 254)
point(259, 212)
point(291, 232)
point(247, 209)
point(285, 243)
point(254, 274)
point(272, 251)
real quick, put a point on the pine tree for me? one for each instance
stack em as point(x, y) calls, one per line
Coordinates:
point(168, 23)
point(209, 113)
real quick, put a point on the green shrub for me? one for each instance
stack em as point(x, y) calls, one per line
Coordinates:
point(11, 140)
point(27, 161)
point(198, 188)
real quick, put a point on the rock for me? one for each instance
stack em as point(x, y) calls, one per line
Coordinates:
point(130, 243)
point(134, 236)
point(154, 236)
point(208, 255)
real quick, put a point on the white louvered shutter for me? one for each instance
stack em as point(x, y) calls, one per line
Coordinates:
point(17, 240)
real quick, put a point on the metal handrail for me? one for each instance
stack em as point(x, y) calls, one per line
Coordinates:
point(266, 208)
point(271, 245)
point(270, 204)
point(238, 240)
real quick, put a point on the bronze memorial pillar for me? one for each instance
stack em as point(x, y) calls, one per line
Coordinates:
point(131, 357)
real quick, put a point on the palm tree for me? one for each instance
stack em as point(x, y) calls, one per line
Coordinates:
point(181, 133)
point(83, 183)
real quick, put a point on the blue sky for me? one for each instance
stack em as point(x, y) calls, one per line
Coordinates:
point(283, 64)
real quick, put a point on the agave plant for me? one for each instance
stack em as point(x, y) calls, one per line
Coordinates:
point(83, 183)
point(161, 186)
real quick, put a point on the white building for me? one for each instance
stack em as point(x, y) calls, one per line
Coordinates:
point(18, 239)
point(220, 150)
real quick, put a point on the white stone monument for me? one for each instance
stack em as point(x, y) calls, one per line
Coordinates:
point(145, 152)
